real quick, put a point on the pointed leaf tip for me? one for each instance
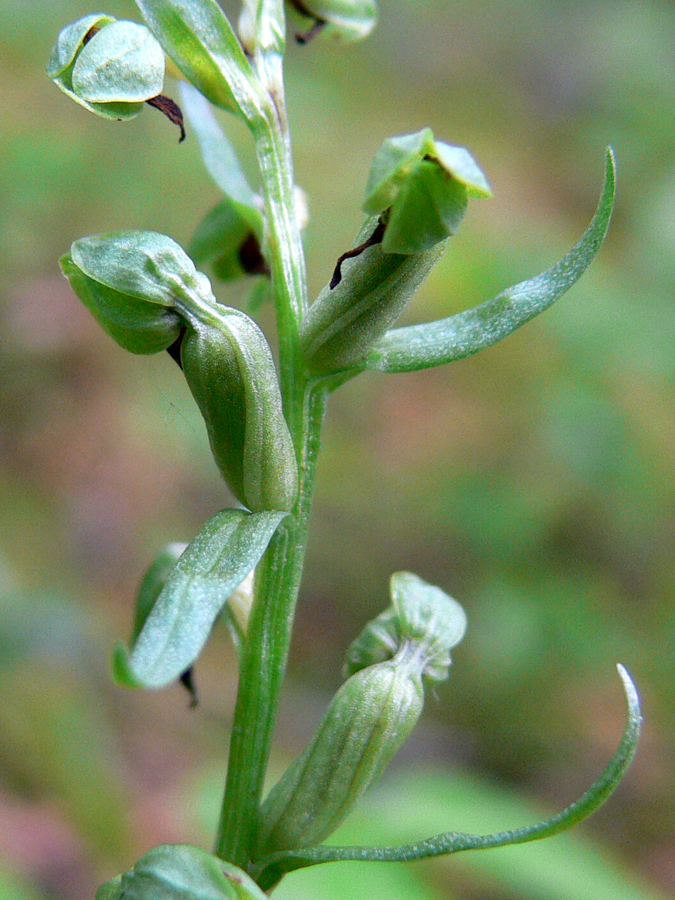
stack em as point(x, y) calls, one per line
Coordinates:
point(446, 340)
point(269, 871)
point(180, 621)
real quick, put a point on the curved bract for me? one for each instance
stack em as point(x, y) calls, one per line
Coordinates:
point(196, 588)
point(269, 871)
point(436, 343)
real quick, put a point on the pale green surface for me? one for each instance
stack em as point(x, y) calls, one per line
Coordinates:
point(213, 565)
point(534, 480)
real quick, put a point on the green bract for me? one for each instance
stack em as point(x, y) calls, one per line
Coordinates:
point(153, 584)
point(425, 185)
point(109, 67)
point(347, 20)
point(270, 871)
point(370, 718)
point(199, 39)
point(195, 590)
point(374, 289)
point(229, 368)
point(179, 872)
point(436, 343)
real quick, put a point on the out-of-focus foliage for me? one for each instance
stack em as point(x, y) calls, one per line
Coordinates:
point(534, 482)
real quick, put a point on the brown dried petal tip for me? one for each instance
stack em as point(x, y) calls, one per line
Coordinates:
point(171, 110)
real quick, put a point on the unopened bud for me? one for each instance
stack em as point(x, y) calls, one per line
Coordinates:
point(370, 718)
point(369, 291)
point(346, 20)
point(109, 67)
point(133, 283)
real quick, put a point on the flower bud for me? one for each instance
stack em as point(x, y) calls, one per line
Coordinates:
point(420, 613)
point(370, 718)
point(109, 67)
point(346, 20)
point(133, 283)
point(230, 371)
point(373, 289)
point(424, 184)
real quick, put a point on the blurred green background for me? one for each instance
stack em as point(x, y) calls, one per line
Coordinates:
point(535, 482)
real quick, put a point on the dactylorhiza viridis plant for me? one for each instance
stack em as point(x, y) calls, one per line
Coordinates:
point(264, 420)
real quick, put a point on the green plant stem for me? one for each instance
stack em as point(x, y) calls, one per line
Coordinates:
point(263, 661)
point(284, 244)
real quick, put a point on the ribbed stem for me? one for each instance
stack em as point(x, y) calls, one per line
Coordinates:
point(263, 662)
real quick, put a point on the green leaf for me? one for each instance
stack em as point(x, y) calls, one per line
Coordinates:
point(213, 565)
point(179, 872)
point(435, 343)
point(121, 63)
point(269, 871)
point(220, 158)
point(197, 35)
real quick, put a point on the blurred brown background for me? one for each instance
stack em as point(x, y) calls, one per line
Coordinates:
point(535, 482)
